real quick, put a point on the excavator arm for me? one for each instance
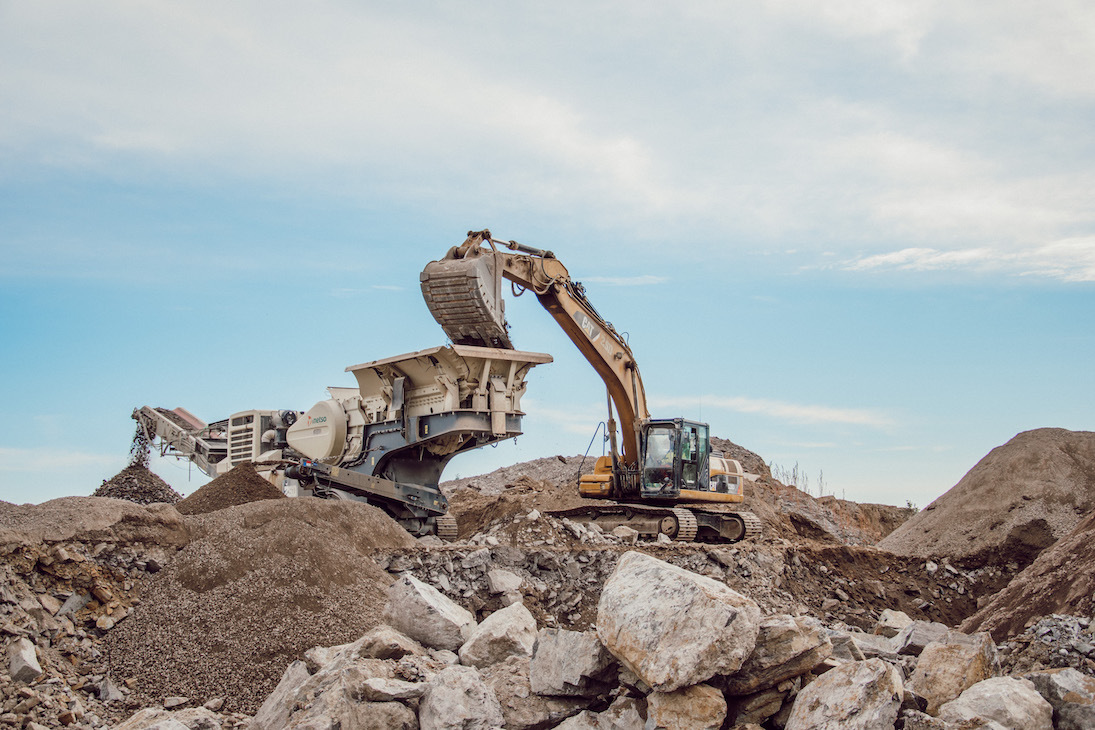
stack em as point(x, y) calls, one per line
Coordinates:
point(463, 292)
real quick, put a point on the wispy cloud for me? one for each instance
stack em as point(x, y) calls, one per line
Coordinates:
point(1070, 260)
point(781, 410)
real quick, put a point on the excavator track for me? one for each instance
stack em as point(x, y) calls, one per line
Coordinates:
point(446, 527)
point(683, 525)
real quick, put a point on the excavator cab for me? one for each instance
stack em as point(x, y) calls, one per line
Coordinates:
point(675, 455)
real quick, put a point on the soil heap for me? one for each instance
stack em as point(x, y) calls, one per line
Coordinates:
point(258, 585)
point(137, 483)
point(1017, 501)
point(1059, 581)
point(239, 486)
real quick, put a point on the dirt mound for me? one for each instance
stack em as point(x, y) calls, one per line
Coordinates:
point(1060, 581)
point(136, 483)
point(239, 486)
point(258, 585)
point(560, 470)
point(1017, 501)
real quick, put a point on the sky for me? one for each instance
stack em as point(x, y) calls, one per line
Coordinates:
point(854, 237)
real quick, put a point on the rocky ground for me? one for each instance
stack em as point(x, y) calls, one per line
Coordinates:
point(263, 612)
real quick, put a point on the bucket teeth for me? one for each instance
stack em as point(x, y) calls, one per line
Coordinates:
point(465, 297)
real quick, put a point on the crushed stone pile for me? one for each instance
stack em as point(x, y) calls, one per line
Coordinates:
point(1060, 581)
point(258, 585)
point(1017, 501)
point(1055, 641)
point(239, 486)
point(137, 483)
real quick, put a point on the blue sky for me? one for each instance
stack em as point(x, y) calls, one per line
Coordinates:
point(858, 237)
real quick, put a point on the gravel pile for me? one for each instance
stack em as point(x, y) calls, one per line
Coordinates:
point(258, 585)
point(239, 486)
point(1052, 642)
point(136, 483)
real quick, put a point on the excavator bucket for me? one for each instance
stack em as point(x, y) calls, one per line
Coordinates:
point(465, 297)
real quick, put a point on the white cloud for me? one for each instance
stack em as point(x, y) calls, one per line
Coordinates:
point(780, 410)
point(1071, 260)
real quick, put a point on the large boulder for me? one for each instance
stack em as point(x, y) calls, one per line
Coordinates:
point(1012, 702)
point(510, 631)
point(570, 663)
point(671, 627)
point(426, 615)
point(699, 707)
point(917, 635)
point(950, 666)
point(458, 699)
point(787, 646)
point(855, 696)
point(279, 705)
point(1072, 695)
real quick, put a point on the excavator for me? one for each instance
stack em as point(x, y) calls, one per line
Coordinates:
point(660, 475)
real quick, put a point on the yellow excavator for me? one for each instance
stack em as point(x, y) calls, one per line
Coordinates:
point(661, 476)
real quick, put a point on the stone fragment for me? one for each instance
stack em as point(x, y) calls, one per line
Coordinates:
point(890, 623)
point(700, 706)
point(855, 696)
point(786, 647)
point(1072, 695)
point(170, 703)
point(104, 623)
point(384, 642)
point(629, 535)
point(1012, 702)
point(457, 699)
point(215, 705)
point(523, 709)
point(569, 663)
point(23, 660)
point(510, 631)
point(755, 708)
point(49, 603)
point(951, 665)
point(914, 637)
point(150, 718)
point(381, 689)
point(110, 692)
point(74, 603)
point(279, 704)
point(671, 627)
point(584, 720)
point(844, 647)
point(503, 581)
point(423, 613)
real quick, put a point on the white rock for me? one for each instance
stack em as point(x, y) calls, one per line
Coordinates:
point(917, 635)
point(890, 623)
point(628, 534)
point(510, 631)
point(1014, 703)
point(786, 647)
point(523, 709)
point(1072, 695)
point(503, 581)
point(23, 660)
point(274, 712)
point(700, 706)
point(855, 696)
point(380, 689)
point(950, 666)
point(423, 613)
point(671, 627)
point(457, 699)
point(569, 663)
